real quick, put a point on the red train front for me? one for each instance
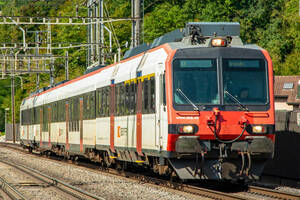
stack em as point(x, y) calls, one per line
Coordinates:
point(220, 109)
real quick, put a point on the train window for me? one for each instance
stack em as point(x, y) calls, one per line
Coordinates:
point(245, 79)
point(112, 108)
point(104, 101)
point(59, 107)
point(32, 116)
point(55, 112)
point(122, 99)
point(41, 115)
point(77, 108)
point(87, 106)
point(132, 98)
point(145, 93)
point(117, 100)
point(100, 102)
point(196, 81)
point(92, 105)
point(45, 118)
point(104, 104)
point(152, 95)
point(127, 96)
point(70, 110)
point(36, 115)
point(108, 99)
point(22, 117)
point(61, 111)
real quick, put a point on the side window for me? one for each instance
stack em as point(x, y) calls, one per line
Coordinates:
point(108, 96)
point(36, 115)
point(32, 116)
point(70, 115)
point(100, 103)
point(45, 117)
point(104, 105)
point(88, 102)
point(122, 99)
point(152, 95)
point(117, 100)
point(22, 115)
point(132, 97)
point(127, 97)
point(86, 106)
point(145, 93)
point(92, 105)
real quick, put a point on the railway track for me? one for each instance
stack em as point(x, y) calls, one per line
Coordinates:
point(273, 193)
point(8, 191)
point(257, 192)
point(69, 191)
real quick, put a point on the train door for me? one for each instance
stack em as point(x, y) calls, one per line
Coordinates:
point(161, 111)
point(41, 126)
point(112, 117)
point(81, 123)
point(139, 117)
point(49, 126)
point(146, 102)
point(67, 125)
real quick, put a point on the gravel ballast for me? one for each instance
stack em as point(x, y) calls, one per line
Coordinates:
point(98, 183)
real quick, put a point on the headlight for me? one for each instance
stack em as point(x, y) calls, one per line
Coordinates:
point(183, 128)
point(218, 42)
point(189, 129)
point(258, 129)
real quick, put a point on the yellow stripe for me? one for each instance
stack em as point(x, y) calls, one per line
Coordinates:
point(113, 157)
point(139, 161)
point(141, 78)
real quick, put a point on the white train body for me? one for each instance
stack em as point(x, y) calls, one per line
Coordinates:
point(96, 132)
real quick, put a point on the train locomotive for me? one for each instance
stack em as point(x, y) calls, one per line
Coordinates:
point(197, 103)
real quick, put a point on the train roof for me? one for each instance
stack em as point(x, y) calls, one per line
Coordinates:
point(177, 39)
point(204, 31)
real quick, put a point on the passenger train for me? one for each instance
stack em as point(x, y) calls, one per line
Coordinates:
point(197, 103)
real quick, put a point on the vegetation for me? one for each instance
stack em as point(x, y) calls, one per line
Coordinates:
point(272, 24)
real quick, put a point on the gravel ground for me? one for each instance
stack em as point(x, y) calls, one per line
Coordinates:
point(288, 189)
point(27, 185)
point(106, 186)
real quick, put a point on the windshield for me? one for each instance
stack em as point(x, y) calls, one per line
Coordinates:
point(246, 80)
point(197, 79)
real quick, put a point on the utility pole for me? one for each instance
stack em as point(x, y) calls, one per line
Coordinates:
point(6, 110)
point(13, 107)
point(136, 23)
point(101, 12)
point(67, 66)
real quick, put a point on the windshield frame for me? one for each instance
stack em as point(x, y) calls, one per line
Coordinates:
point(220, 87)
point(266, 81)
point(201, 106)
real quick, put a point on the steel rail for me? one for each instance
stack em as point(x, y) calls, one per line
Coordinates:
point(211, 193)
point(188, 188)
point(273, 193)
point(63, 186)
point(195, 190)
point(10, 191)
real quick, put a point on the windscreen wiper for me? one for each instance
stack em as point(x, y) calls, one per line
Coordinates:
point(179, 91)
point(236, 101)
